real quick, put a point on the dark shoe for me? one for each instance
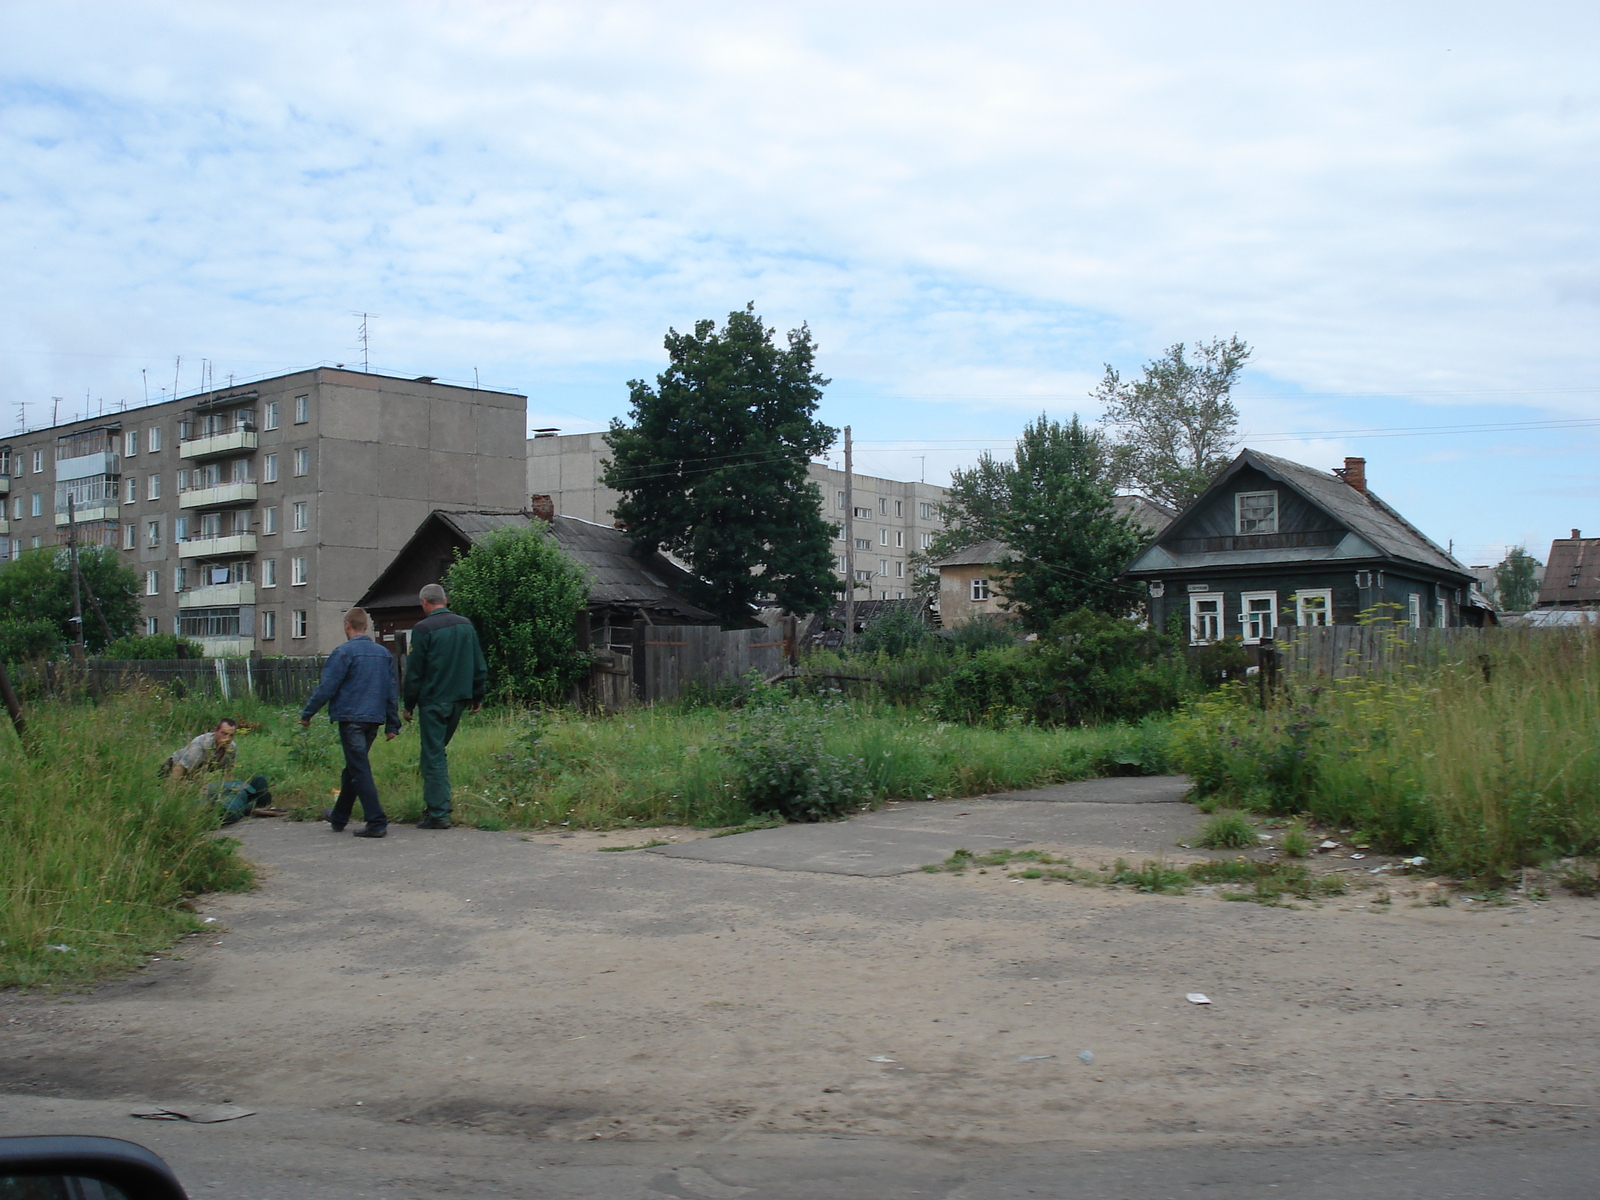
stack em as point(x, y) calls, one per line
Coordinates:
point(369, 831)
point(337, 826)
point(433, 823)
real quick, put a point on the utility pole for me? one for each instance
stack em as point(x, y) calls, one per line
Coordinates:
point(849, 545)
point(72, 555)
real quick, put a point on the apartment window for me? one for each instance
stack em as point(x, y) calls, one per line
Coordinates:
point(1205, 619)
point(1311, 608)
point(269, 519)
point(1414, 615)
point(926, 510)
point(269, 624)
point(16, 508)
point(883, 537)
point(269, 468)
point(152, 533)
point(269, 415)
point(841, 499)
point(152, 583)
point(180, 529)
point(899, 511)
point(299, 524)
point(899, 569)
point(35, 541)
point(1258, 612)
point(152, 488)
point(180, 578)
point(883, 506)
point(153, 436)
point(152, 625)
point(1257, 512)
point(841, 565)
point(36, 504)
point(899, 539)
point(883, 566)
point(924, 541)
point(863, 544)
point(302, 461)
point(302, 409)
point(130, 443)
point(860, 513)
point(980, 590)
point(269, 572)
point(297, 572)
point(297, 623)
point(38, 461)
point(133, 490)
point(130, 536)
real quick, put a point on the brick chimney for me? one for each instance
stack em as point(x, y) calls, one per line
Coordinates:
point(1354, 472)
point(542, 507)
point(1576, 534)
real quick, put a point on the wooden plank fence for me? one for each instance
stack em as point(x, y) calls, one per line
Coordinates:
point(1349, 651)
point(275, 680)
point(669, 658)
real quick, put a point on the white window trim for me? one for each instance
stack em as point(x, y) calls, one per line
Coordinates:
point(978, 592)
point(300, 516)
point(1414, 606)
point(152, 583)
point(1238, 513)
point(270, 415)
point(1197, 627)
point(269, 626)
point(302, 462)
point(1303, 612)
point(1270, 612)
point(269, 468)
point(298, 623)
point(153, 439)
point(302, 409)
point(152, 488)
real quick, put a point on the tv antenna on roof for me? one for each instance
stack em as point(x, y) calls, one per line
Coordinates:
point(364, 335)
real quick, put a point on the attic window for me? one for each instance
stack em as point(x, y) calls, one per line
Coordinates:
point(1257, 512)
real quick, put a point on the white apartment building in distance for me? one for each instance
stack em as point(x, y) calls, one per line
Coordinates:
point(892, 519)
point(256, 514)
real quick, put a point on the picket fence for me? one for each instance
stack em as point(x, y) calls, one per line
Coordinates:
point(275, 680)
point(1350, 651)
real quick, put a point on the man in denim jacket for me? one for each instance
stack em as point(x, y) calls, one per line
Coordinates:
point(358, 686)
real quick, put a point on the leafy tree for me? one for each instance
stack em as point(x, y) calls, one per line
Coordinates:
point(713, 466)
point(38, 587)
point(155, 645)
point(1175, 427)
point(23, 641)
point(895, 631)
point(1516, 582)
point(523, 594)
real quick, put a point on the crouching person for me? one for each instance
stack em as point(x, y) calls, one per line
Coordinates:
point(358, 686)
point(216, 752)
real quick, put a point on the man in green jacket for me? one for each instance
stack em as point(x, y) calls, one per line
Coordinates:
point(445, 675)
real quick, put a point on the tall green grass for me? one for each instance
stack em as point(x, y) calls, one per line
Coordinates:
point(96, 853)
point(1484, 764)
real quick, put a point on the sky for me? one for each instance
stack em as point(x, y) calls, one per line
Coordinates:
point(975, 208)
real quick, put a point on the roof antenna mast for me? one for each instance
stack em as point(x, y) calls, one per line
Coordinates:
point(366, 362)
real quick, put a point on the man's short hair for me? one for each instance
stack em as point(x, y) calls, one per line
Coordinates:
point(221, 721)
point(356, 618)
point(433, 594)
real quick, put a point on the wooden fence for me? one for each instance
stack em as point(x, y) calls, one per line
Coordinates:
point(1347, 651)
point(667, 659)
point(275, 680)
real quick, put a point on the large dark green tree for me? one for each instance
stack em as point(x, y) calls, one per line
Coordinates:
point(37, 588)
point(712, 466)
point(1516, 580)
point(1175, 427)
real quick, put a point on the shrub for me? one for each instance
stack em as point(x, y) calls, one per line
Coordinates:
point(155, 645)
point(981, 633)
point(1228, 831)
point(781, 765)
point(24, 640)
point(894, 631)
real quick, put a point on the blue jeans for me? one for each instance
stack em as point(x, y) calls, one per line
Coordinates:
point(356, 737)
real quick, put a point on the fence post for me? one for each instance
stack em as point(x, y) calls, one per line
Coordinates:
point(639, 670)
point(221, 665)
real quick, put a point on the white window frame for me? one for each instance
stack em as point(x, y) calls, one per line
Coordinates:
point(152, 533)
point(1238, 512)
point(152, 488)
point(130, 536)
point(883, 506)
point(269, 519)
point(302, 409)
point(1414, 607)
point(925, 541)
point(899, 569)
point(301, 516)
point(154, 439)
point(900, 511)
point(269, 468)
point(269, 625)
point(899, 539)
point(883, 569)
point(36, 505)
point(152, 626)
point(38, 462)
point(302, 461)
point(1310, 615)
point(1258, 615)
point(1205, 623)
point(152, 583)
point(130, 444)
point(883, 537)
point(133, 490)
point(927, 512)
point(297, 623)
point(269, 415)
point(269, 572)
point(299, 571)
point(180, 578)
point(978, 591)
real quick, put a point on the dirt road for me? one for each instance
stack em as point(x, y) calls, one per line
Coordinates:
point(469, 984)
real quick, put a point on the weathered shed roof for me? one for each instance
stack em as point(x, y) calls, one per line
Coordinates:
point(619, 576)
point(1375, 529)
point(1572, 576)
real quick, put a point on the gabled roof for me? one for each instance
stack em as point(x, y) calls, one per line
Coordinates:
point(1375, 529)
point(1572, 576)
point(619, 576)
point(1147, 513)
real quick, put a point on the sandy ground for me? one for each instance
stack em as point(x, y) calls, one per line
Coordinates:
point(531, 985)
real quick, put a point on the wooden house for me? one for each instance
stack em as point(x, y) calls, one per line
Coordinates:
point(1572, 574)
point(1273, 543)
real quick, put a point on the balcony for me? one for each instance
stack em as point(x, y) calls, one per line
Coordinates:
point(218, 595)
point(230, 546)
point(5, 485)
point(215, 444)
point(222, 495)
point(226, 647)
point(95, 510)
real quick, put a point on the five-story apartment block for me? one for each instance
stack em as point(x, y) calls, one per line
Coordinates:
point(256, 514)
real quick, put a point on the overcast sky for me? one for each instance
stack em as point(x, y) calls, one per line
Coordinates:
point(975, 207)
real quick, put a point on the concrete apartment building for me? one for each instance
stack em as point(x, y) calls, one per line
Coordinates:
point(892, 519)
point(256, 514)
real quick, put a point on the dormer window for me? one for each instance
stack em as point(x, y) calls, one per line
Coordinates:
point(1257, 512)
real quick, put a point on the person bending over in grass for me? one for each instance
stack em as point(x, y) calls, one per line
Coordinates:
point(359, 689)
point(215, 751)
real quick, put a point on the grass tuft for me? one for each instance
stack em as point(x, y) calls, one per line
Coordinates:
point(1228, 831)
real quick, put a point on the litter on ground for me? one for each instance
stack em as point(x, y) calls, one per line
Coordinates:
point(1197, 998)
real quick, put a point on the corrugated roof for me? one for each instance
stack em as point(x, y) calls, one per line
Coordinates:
point(1572, 576)
point(1373, 521)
